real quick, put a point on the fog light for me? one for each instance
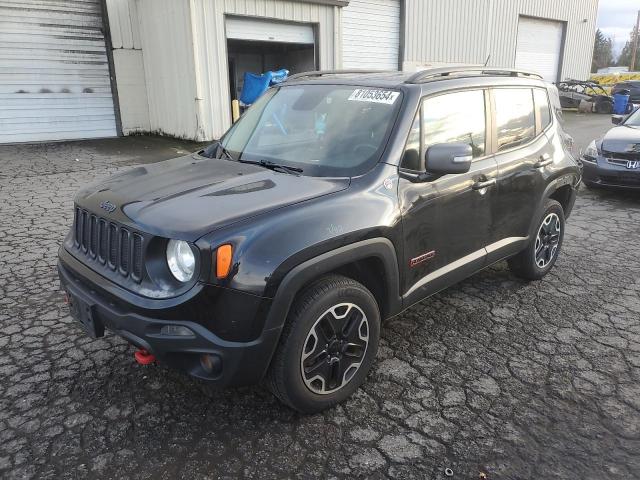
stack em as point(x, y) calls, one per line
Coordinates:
point(210, 363)
point(176, 331)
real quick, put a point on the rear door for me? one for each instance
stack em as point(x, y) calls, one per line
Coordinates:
point(523, 155)
point(447, 219)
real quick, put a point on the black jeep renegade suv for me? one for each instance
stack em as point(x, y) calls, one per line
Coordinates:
point(336, 201)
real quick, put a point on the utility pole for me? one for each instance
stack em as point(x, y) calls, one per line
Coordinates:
point(632, 67)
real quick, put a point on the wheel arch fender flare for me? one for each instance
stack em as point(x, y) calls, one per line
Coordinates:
point(567, 179)
point(300, 275)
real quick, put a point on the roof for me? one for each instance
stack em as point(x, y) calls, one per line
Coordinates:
point(397, 78)
point(373, 78)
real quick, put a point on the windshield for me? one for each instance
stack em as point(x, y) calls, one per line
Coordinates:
point(325, 130)
point(634, 119)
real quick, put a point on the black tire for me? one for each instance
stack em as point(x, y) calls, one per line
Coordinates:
point(604, 107)
point(541, 254)
point(311, 315)
point(590, 186)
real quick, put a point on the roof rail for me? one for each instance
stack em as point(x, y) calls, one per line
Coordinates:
point(439, 72)
point(319, 73)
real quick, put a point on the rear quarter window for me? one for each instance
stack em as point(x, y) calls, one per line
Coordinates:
point(543, 111)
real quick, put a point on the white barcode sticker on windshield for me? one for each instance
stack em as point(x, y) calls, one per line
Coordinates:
point(374, 95)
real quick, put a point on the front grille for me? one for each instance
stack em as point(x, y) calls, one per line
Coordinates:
point(617, 161)
point(110, 244)
point(621, 156)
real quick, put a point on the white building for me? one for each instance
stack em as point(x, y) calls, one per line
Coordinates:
point(172, 66)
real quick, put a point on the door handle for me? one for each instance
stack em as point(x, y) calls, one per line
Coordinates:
point(479, 185)
point(544, 161)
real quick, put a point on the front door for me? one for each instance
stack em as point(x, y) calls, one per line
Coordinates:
point(447, 219)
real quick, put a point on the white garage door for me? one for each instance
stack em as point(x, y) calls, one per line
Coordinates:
point(371, 34)
point(539, 47)
point(54, 73)
point(265, 31)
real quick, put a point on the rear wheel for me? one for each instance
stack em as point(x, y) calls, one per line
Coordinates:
point(328, 345)
point(542, 252)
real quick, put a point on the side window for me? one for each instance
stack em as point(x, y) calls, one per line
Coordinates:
point(455, 118)
point(515, 121)
point(411, 158)
point(542, 107)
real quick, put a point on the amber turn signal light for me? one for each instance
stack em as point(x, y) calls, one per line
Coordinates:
point(223, 260)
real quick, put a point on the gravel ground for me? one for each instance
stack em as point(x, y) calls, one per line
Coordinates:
point(493, 376)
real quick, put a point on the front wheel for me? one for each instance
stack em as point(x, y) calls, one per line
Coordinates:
point(542, 252)
point(328, 345)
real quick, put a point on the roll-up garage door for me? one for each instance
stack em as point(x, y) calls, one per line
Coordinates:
point(265, 31)
point(54, 72)
point(371, 34)
point(539, 47)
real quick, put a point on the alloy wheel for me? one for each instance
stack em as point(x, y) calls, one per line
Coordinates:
point(547, 240)
point(334, 348)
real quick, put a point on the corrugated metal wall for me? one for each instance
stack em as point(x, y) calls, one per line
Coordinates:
point(123, 24)
point(185, 56)
point(128, 62)
point(167, 44)
point(469, 30)
point(210, 46)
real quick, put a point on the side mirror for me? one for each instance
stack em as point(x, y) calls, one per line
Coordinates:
point(616, 119)
point(449, 158)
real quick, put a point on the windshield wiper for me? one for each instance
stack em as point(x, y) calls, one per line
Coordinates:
point(274, 166)
point(212, 151)
point(225, 152)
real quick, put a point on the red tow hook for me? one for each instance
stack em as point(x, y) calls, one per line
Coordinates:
point(143, 357)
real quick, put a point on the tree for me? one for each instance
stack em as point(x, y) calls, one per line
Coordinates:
point(602, 52)
point(624, 60)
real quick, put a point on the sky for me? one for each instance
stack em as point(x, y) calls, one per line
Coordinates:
point(616, 19)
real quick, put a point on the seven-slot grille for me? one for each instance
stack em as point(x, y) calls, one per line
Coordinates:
point(109, 244)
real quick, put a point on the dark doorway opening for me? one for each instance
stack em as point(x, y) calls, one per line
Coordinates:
point(258, 57)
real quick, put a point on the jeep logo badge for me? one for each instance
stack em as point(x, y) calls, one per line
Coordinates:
point(633, 164)
point(107, 205)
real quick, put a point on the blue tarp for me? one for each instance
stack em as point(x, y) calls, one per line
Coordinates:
point(256, 85)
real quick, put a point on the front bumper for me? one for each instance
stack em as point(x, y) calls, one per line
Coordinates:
point(605, 174)
point(236, 363)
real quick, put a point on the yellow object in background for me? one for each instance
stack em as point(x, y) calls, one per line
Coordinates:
point(608, 80)
point(235, 110)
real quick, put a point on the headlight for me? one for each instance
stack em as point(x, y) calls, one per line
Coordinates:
point(591, 153)
point(180, 260)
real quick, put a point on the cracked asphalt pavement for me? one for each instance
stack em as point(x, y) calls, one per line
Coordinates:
point(497, 376)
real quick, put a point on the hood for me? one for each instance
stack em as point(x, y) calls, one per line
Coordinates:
point(622, 140)
point(187, 197)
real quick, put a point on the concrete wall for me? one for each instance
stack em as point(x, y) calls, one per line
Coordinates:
point(467, 31)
